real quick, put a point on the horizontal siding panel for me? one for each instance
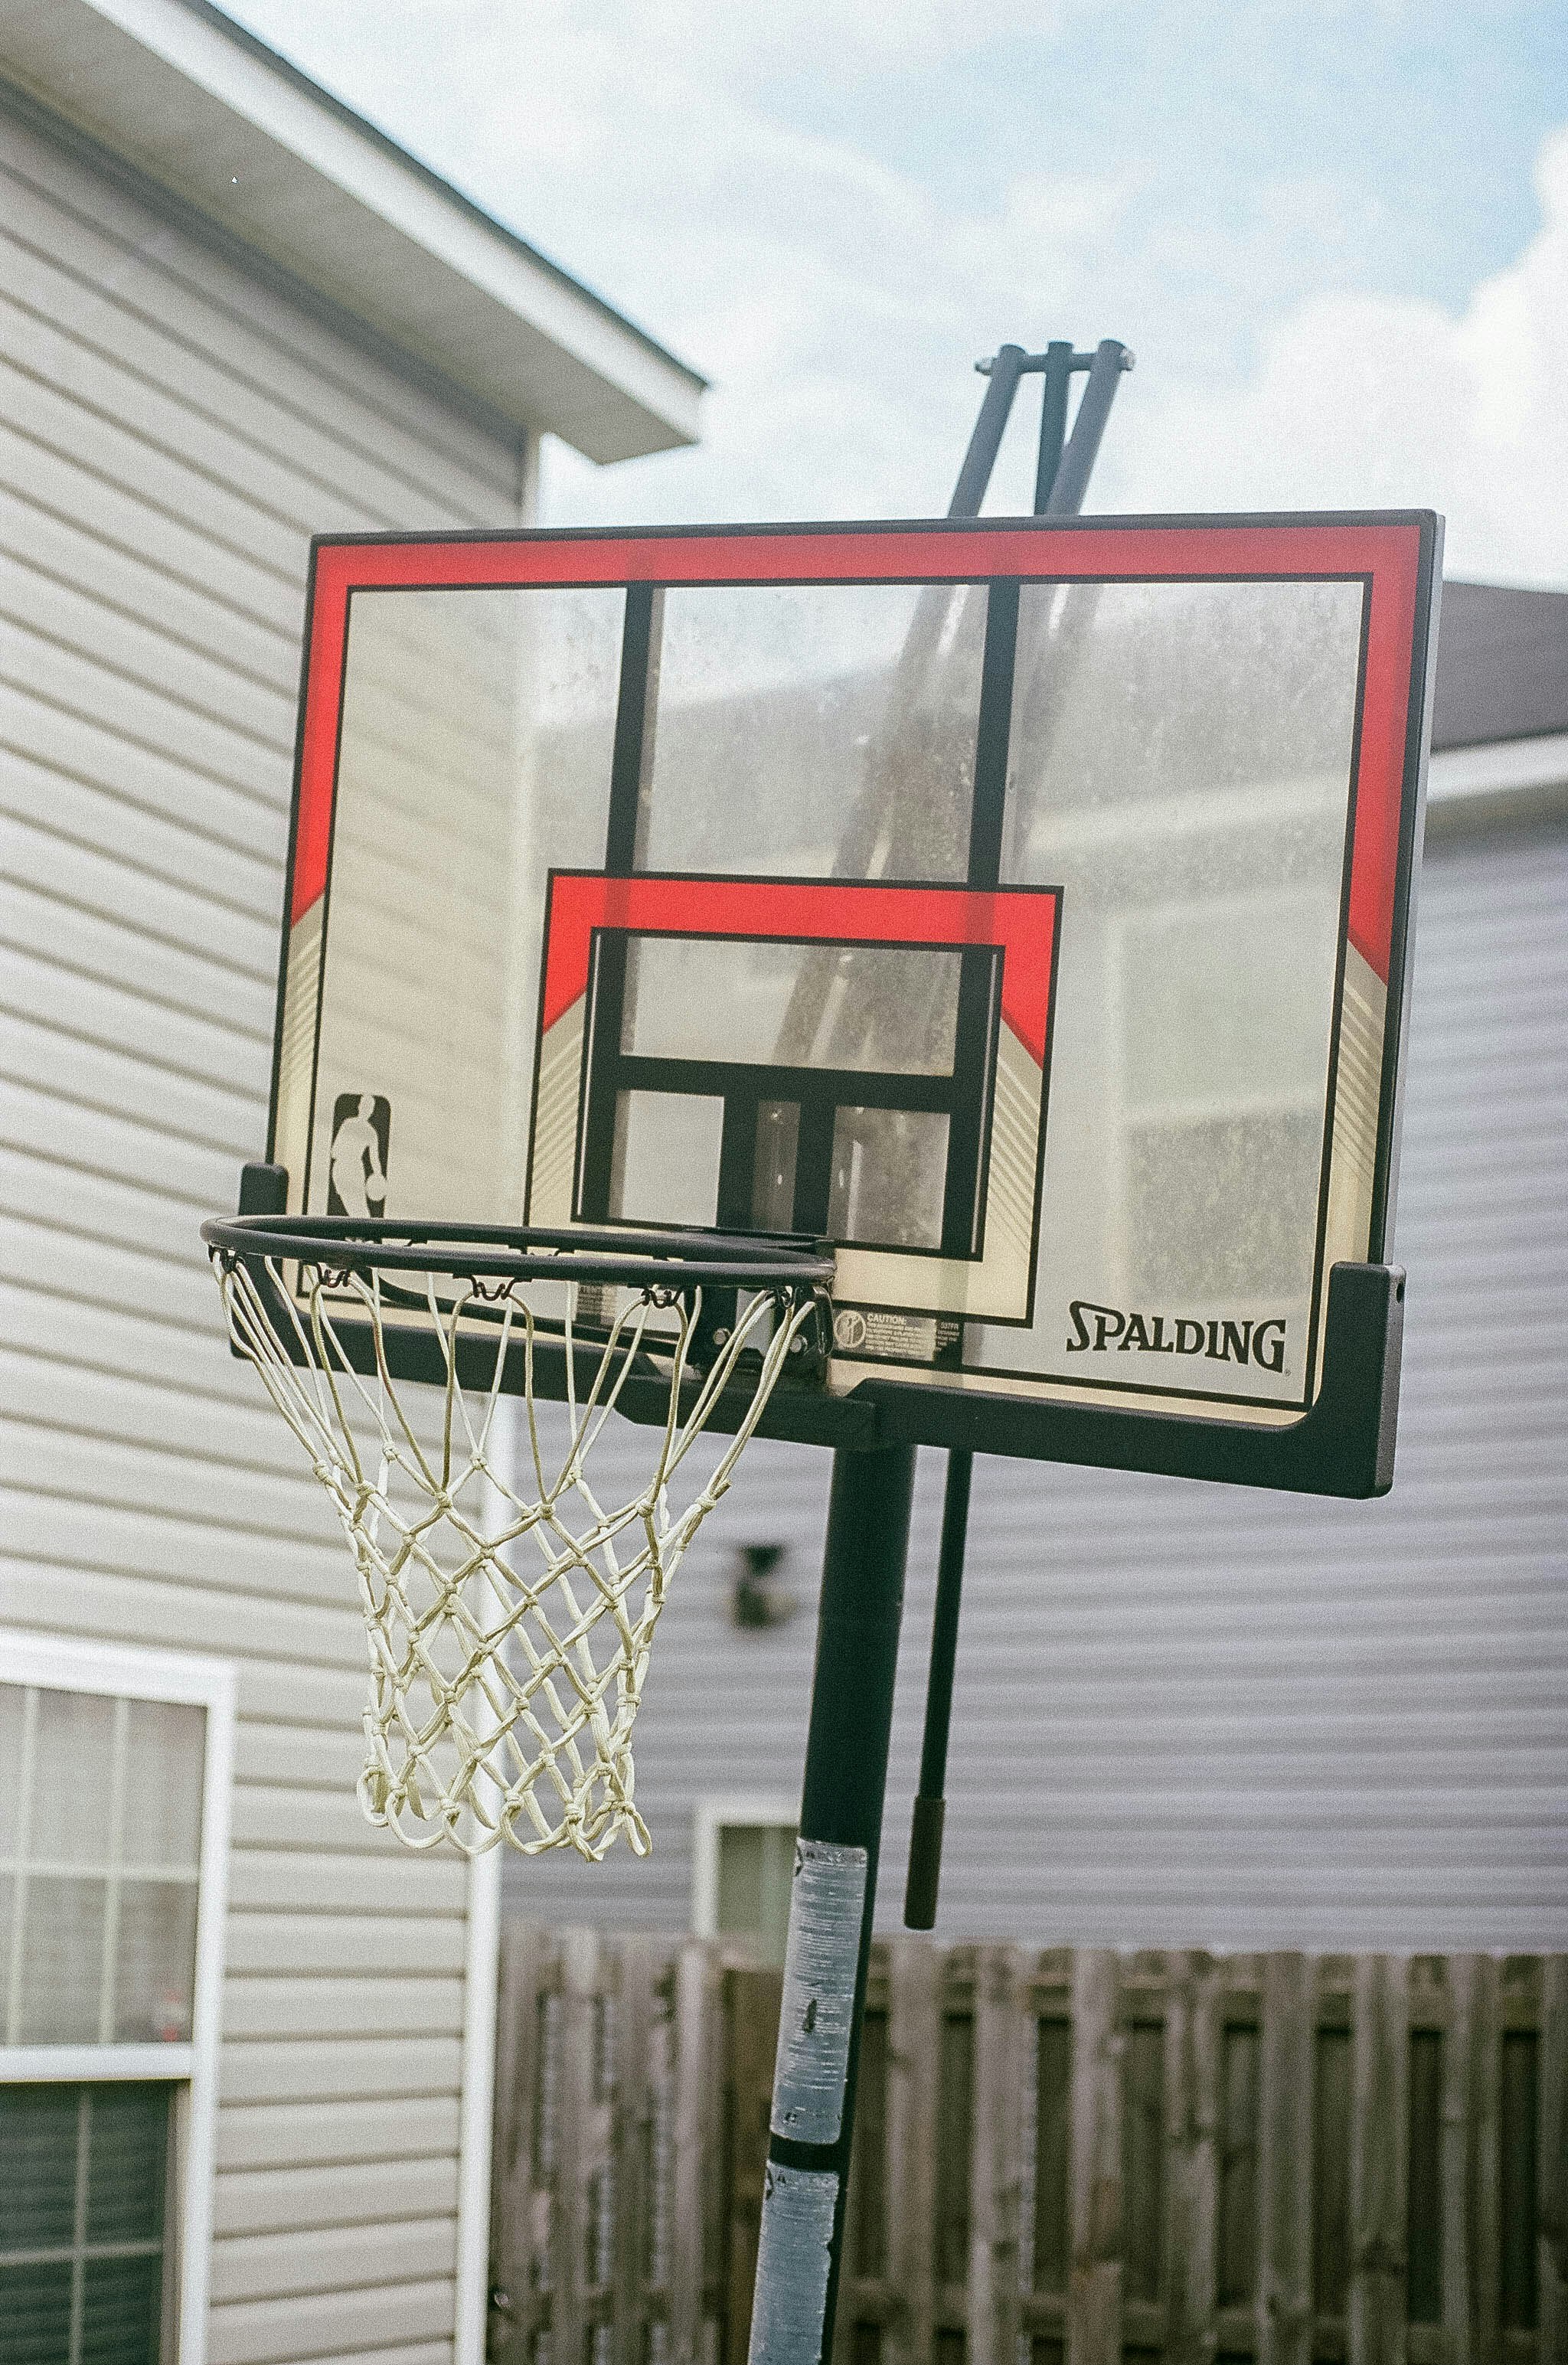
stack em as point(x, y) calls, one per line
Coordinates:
point(146, 584)
point(294, 1880)
point(49, 487)
point(183, 399)
point(179, 1357)
point(141, 394)
point(124, 253)
point(311, 2134)
point(274, 2201)
point(197, 1056)
point(109, 1546)
point(216, 961)
point(304, 1758)
point(344, 2006)
point(332, 2257)
point(225, 706)
point(271, 1815)
point(278, 2332)
point(51, 789)
point(79, 422)
point(419, 2352)
point(60, 1599)
point(181, 985)
point(52, 1459)
point(146, 1268)
point(353, 2068)
point(135, 1171)
point(47, 1058)
point(42, 723)
point(92, 690)
point(238, 1458)
point(296, 1943)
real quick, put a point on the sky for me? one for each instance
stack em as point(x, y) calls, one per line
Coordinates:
point(1335, 236)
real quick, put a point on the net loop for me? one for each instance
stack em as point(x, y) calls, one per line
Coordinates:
point(509, 1610)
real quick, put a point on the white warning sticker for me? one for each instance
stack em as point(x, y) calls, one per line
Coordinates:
point(821, 1956)
point(793, 2253)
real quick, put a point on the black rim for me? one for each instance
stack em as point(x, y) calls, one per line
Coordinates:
point(654, 1260)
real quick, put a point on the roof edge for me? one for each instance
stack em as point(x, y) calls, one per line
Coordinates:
point(367, 128)
point(200, 107)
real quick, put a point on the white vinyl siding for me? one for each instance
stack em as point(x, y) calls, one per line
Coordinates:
point(174, 426)
point(1189, 1714)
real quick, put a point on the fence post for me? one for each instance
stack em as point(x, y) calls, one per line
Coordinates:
point(511, 2172)
point(1284, 2179)
point(1552, 2058)
point(914, 2037)
point(1191, 2118)
point(1095, 2299)
point(576, 2149)
point(694, 2179)
point(632, 2124)
point(753, 1998)
point(1483, 2179)
point(996, 2168)
point(1380, 2128)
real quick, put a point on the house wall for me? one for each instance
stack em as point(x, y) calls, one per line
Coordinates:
point(174, 425)
point(1187, 1714)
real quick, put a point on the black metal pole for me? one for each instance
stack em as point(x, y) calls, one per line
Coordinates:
point(1053, 419)
point(924, 1873)
point(1084, 445)
point(1002, 372)
point(829, 1946)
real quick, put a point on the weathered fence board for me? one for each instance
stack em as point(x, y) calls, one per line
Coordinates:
point(1286, 2079)
point(1192, 2112)
point(1060, 2159)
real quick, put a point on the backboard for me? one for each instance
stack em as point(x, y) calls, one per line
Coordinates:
point(1022, 907)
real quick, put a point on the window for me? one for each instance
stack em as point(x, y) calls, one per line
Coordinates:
point(83, 2172)
point(100, 1848)
point(743, 1869)
point(113, 1843)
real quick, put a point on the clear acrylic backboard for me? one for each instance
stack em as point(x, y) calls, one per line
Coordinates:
point(1020, 907)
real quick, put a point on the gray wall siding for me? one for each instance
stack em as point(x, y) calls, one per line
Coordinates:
point(170, 432)
point(1188, 1715)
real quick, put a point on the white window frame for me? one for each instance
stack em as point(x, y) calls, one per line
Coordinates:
point(718, 1812)
point(53, 1663)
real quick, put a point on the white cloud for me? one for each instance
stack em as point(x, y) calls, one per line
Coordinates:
point(1363, 402)
point(838, 300)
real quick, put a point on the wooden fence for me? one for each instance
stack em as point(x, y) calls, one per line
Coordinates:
point(1060, 2159)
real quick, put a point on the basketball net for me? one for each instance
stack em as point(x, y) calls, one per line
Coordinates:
point(509, 1612)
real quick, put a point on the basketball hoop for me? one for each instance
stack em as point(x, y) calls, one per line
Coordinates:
point(510, 1613)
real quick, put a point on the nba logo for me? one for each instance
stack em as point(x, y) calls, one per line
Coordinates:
point(356, 1174)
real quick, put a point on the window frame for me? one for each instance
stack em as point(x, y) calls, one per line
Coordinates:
point(721, 1811)
point(122, 1671)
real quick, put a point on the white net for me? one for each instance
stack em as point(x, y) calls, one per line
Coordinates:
point(509, 1612)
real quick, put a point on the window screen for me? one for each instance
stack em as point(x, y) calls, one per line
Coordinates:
point(82, 2171)
point(756, 1862)
point(100, 1850)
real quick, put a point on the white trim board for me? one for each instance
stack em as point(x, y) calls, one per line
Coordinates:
point(210, 112)
point(477, 2109)
point(55, 1663)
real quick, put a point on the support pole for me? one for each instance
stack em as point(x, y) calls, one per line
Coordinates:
point(930, 1804)
point(829, 1944)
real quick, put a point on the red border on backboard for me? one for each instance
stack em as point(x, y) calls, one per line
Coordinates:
point(1388, 553)
point(1020, 920)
